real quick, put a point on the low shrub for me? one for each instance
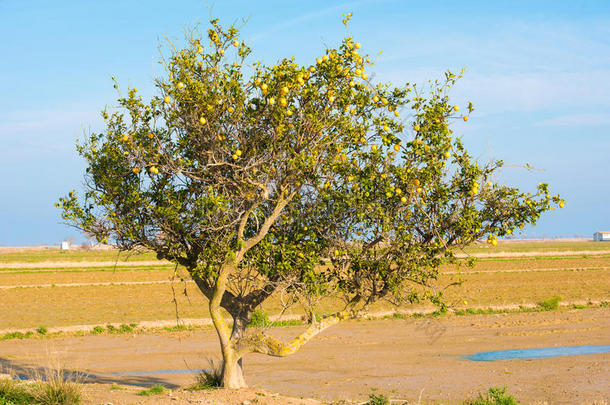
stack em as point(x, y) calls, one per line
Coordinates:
point(97, 330)
point(42, 330)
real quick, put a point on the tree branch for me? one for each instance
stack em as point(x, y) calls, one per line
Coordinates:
point(264, 344)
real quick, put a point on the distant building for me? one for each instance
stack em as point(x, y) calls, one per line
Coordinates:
point(601, 236)
point(65, 245)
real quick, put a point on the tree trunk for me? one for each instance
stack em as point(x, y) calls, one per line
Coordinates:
point(232, 369)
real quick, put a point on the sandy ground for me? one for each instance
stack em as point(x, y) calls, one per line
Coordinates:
point(401, 358)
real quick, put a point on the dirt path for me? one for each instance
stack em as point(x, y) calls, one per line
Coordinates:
point(72, 264)
point(536, 253)
point(401, 358)
point(9, 287)
point(55, 265)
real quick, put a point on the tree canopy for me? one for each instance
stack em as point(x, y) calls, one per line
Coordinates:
point(305, 180)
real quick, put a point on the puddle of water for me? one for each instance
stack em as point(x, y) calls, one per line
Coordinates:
point(540, 353)
point(152, 372)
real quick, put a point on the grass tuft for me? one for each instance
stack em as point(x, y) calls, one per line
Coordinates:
point(57, 387)
point(13, 393)
point(495, 396)
point(377, 399)
point(154, 390)
point(208, 379)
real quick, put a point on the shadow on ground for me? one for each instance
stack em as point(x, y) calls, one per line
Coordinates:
point(30, 372)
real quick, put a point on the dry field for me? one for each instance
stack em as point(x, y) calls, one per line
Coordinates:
point(83, 288)
point(97, 287)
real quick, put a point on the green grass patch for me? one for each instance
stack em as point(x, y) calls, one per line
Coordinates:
point(377, 399)
point(154, 390)
point(259, 318)
point(495, 396)
point(550, 304)
point(14, 393)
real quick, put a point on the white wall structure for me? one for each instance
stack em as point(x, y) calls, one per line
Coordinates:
point(601, 236)
point(65, 245)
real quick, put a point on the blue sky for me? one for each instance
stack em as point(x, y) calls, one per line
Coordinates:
point(537, 72)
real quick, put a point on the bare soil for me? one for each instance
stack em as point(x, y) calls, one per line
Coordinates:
point(401, 358)
point(68, 298)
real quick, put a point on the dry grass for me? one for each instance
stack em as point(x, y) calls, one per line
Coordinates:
point(56, 255)
point(538, 246)
point(490, 282)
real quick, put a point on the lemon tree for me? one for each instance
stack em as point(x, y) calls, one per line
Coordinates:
point(294, 181)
